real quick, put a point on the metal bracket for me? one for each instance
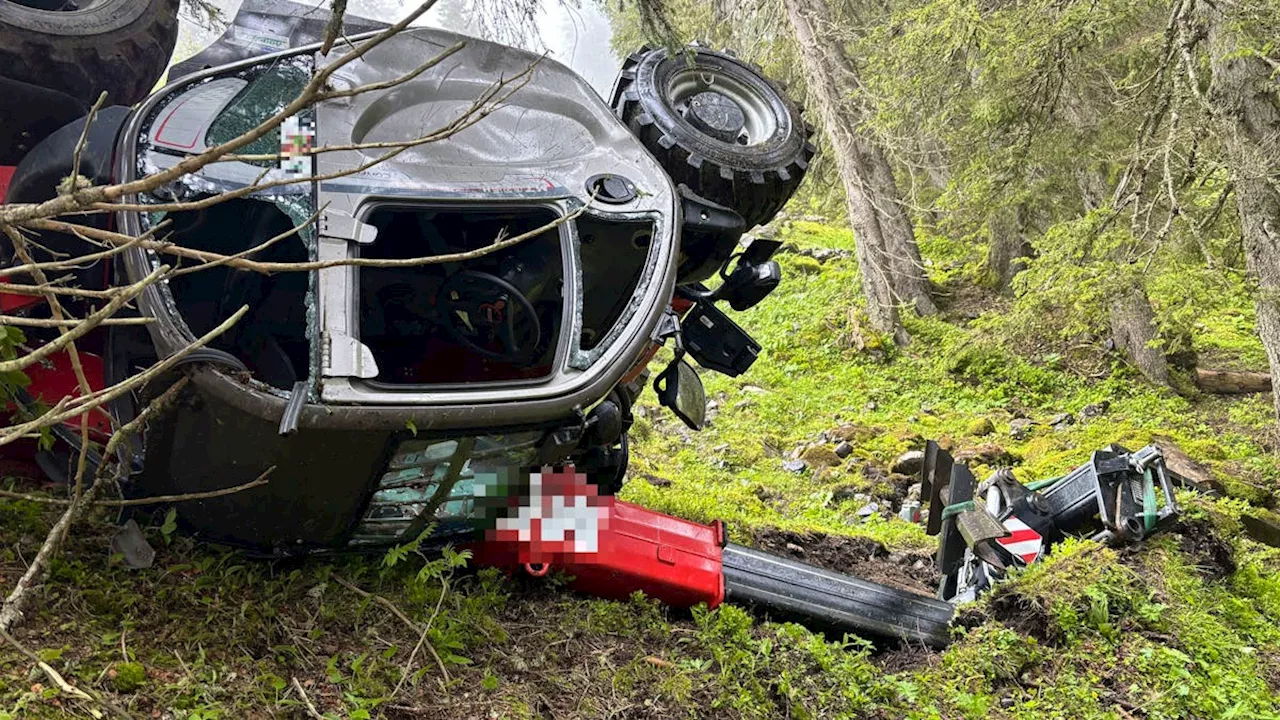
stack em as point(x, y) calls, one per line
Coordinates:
point(339, 225)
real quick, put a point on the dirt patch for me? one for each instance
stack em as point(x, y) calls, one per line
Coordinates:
point(861, 557)
point(905, 658)
point(1213, 557)
point(1022, 615)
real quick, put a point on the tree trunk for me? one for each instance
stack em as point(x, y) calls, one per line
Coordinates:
point(1134, 330)
point(1247, 109)
point(892, 273)
point(1008, 248)
point(910, 281)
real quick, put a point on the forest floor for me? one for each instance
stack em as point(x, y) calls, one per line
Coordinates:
point(1185, 625)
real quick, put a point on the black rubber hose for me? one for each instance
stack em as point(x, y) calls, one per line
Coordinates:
point(792, 590)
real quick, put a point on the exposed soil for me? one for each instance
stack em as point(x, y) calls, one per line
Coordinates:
point(860, 557)
point(1212, 555)
point(1017, 612)
point(906, 658)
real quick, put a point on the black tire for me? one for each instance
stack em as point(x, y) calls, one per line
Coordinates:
point(756, 171)
point(120, 46)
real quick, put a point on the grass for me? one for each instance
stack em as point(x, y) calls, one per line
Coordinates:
point(1167, 630)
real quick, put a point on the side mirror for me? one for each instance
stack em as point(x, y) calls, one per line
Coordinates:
point(680, 389)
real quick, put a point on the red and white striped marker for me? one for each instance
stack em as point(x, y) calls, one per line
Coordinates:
point(1022, 541)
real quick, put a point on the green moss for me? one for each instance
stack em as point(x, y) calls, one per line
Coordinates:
point(128, 676)
point(982, 427)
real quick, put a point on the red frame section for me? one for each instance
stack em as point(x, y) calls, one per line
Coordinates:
point(672, 560)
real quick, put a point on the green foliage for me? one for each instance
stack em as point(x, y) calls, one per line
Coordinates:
point(129, 676)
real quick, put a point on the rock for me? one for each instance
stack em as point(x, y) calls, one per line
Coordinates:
point(743, 404)
point(982, 427)
point(795, 466)
point(988, 454)
point(901, 483)
point(872, 406)
point(1020, 428)
point(873, 473)
point(795, 548)
point(820, 456)
point(764, 494)
point(914, 492)
point(754, 389)
point(1095, 410)
point(868, 510)
point(854, 433)
point(909, 463)
point(844, 449)
point(845, 492)
point(1062, 421)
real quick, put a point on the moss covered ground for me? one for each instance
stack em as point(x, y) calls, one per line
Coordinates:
point(1186, 625)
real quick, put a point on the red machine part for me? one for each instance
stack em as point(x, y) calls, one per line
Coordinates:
point(675, 561)
point(53, 379)
point(10, 302)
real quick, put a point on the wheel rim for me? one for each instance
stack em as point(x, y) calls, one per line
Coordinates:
point(53, 5)
point(759, 122)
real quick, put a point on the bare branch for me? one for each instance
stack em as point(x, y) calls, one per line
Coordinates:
point(153, 500)
point(90, 322)
point(239, 262)
point(19, 321)
point(74, 181)
point(72, 407)
point(14, 605)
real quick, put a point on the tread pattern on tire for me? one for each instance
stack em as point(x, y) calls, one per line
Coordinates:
point(126, 63)
point(757, 195)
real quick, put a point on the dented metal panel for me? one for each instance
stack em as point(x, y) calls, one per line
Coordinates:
point(550, 135)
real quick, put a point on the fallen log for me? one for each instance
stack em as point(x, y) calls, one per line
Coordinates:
point(1230, 382)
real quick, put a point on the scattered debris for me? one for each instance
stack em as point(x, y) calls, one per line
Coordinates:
point(868, 510)
point(132, 546)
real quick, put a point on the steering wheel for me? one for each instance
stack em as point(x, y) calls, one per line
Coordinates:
point(481, 312)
